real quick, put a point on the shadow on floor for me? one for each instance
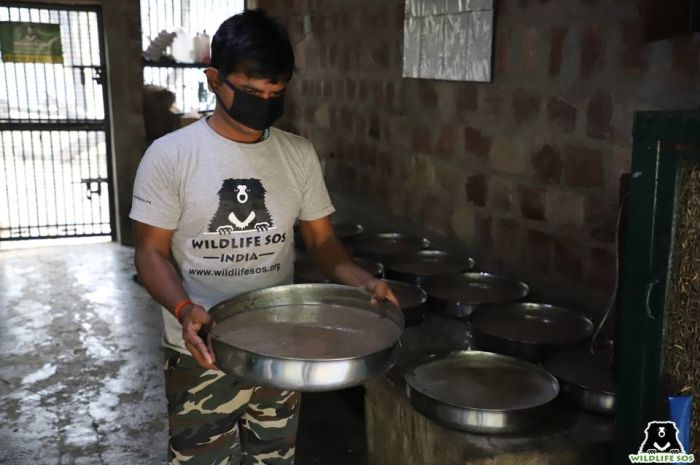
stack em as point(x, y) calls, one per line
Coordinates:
point(332, 428)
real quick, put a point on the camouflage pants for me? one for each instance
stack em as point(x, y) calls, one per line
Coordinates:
point(216, 420)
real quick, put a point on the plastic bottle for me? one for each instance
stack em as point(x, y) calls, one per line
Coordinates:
point(202, 94)
point(182, 46)
point(201, 48)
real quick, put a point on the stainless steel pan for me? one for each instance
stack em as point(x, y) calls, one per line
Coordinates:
point(412, 301)
point(586, 377)
point(345, 230)
point(458, 295)
point(417, 267)
point(306, 272)
point(531, 331)
point(482, 392)
point(382, 245)
point(305, 337)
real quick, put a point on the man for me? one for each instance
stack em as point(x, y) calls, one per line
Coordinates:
point(223, 195)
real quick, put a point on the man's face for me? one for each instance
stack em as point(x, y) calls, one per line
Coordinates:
point(262, 88)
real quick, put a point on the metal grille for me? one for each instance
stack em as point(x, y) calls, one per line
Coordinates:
point(54, 160)
point(682, 345)
point(193, 16)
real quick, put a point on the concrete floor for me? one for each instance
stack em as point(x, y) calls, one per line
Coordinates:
point(81, 367)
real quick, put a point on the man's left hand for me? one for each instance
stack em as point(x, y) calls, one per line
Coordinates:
point(380, 291)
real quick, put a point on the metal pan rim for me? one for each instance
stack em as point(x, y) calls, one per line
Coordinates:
point(524, 288)
point(515, 361)
point(489, 309)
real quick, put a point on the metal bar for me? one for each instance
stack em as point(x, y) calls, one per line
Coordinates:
point(67, 174)
point(81, 60)
point(14, 169)
point(55, 236)
point(164, 13)
point(29, 161)
point(64, 70)
point(172, 13)
point(55, 68)
point(151, 18)
point(107, 133)
point(79, 207)
point(35, 68)
point(69, 167)
point(39, 211)
point(50, 6)
point(104, 193)
point(54, 225)
point(6, 68)
point(56, 171)
point(18, 176)
point(16, 68)
point(46, 126)
point(87, 202)
point(5, 159)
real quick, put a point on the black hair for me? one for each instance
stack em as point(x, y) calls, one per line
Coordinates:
point(255, 44)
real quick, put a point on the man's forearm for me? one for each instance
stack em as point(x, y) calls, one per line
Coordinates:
point(160, 278)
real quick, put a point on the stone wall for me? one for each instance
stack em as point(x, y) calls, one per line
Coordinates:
point(122, 29)
point(524, 171)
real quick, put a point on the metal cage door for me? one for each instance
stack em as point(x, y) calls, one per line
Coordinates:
point(55, 162)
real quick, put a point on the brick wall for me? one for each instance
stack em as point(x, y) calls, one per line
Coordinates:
point(523, 172)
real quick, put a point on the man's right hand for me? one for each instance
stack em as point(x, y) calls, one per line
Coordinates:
point(194, 318)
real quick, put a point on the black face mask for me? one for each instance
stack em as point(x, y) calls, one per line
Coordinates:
point(250, 110)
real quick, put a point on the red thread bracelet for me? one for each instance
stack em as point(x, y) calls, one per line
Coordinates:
point(180, 305)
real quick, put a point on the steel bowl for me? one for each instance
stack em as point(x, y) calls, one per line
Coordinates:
point(305, 306)
point(458, 295)
point(412, 301)
point(417, 267)
point(306, 272)
point(382, 245)
point(345, 230)
point(586, 377)
point(531, 331)
point(482, 392)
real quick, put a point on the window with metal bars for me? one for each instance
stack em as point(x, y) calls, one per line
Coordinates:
point(185, 80)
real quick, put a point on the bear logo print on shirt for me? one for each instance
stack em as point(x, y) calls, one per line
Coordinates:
point(241, 207)
point(661, 437)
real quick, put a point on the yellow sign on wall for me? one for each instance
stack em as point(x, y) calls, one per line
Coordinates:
point(30, 42)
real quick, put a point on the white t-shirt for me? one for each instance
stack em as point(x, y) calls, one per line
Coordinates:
point(232, 207)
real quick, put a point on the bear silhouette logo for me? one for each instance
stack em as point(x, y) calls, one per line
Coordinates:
point(661, 437)
point(241, 207)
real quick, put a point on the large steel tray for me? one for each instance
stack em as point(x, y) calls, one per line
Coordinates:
point(586, 377)
point(382, 245)
point(305, 337)
point(528, 330)
point(458, 295)
point(345, 230)
point(412, 301)
point(417, 267)
point(305, 271)
point(482, 392)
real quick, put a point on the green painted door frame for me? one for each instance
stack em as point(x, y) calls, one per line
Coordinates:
point(662, 140)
